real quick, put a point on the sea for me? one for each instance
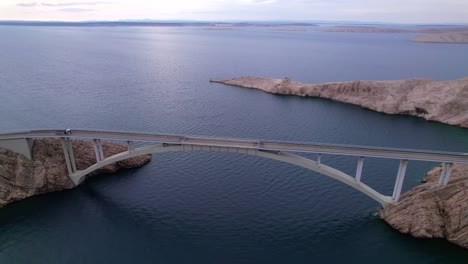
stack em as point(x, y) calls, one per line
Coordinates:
point(202, 207)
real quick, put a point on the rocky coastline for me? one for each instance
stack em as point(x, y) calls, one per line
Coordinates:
point(428, 210)
point(433, 211)
point(447, 34)
point(447, 37)
point(46, 172)
point(441, 101)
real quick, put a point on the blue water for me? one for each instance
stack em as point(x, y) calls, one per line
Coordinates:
point(216, 207)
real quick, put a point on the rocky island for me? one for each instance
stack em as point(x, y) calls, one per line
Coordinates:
point(365, 29)
point(428, 210)
point(47, 172)
point(442, 101)
point(448, 37)
point(448, 34)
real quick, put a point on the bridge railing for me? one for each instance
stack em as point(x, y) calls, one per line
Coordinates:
point(349, 150)
point(404, 155)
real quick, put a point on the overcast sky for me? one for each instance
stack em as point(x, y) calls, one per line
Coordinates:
point(404, 11)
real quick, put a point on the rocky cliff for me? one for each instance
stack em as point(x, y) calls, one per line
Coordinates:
point(442, 101)
point(433, 211)
point(46, 172)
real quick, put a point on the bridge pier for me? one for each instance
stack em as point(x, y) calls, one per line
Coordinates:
point(359, 169)
point(399, 180)
point(69, 155)
point(446, 173)
point(101, 152)
point(130, 146)
point(98, 150)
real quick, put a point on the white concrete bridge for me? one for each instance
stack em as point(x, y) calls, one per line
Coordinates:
point(21, 142)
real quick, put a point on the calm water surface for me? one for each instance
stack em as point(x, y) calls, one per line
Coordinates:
point(216, 207)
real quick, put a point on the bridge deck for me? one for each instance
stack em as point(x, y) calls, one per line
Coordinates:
point(365, 151)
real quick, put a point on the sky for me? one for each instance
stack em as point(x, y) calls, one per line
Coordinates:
point(395, 11)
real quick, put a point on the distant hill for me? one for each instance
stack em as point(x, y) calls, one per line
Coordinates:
point(150, 23)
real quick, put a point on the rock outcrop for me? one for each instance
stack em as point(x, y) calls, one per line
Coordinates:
point(442, 101)
point(448, 37)
point(428, 210)
point(448, 34)
point(365, 29)
point(433, 211)
point(46, 172)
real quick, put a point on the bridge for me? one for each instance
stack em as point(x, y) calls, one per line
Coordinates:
point(22, 141)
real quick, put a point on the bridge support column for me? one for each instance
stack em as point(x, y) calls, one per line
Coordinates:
point(72, 154)
point(101, 152)
point(446, 173)
point(69, 155)
point(399, 180)
point(359, 169)
point(130, 145)
point(319, 159)
point(98, 150)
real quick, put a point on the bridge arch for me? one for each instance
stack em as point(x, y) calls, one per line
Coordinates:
point(290, 158)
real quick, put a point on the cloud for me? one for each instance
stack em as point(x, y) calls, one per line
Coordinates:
point(74, 9)
point(28, 4)
point(259, 2)
point(403, 11)
point(66, 4)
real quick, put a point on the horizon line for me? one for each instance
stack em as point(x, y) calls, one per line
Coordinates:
point(162, 21)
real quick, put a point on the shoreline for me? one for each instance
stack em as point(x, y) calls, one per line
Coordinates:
point(448, 35)
point(441, 101)
point(21, 178)
point(429, 210)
